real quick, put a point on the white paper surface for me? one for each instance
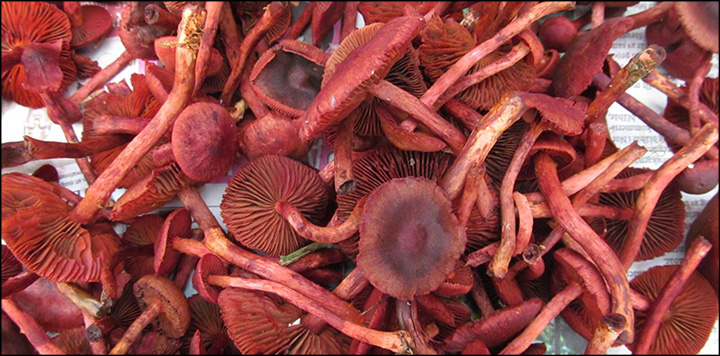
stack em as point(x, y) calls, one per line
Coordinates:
point(624, 129)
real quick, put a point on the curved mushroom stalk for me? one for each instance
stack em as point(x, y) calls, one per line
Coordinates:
point(582, 279)
point(310, 231)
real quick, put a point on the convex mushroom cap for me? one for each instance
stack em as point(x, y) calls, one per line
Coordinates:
point(174, 317)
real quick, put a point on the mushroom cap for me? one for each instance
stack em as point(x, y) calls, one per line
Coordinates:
point(176, 7)
point(155, 190)
point(139, 103)
point(174, 317)
point(706, 225)
point(11, 267)
point(208, 265)
point(364, 66)
point(414, 256)
point(557, 33)
point(260, 323)
point(287, 77)
point(563, 116)
point(324, 15)
point(205, 318)
point(248, 205)
point(405, 74)
point(97, 22)
point(34, 22)
point(458, 282)
point(381, 166)
point(700, 21)
point(272, 134)
point(37, 229)
point(585, 56)
point(573, 268)
point(73, 341)
point(495, 329)
point(665, 228)
point(204, 141)
point(688, 322)
point(136, 35)
point(177, 224)
point(52, 310)
point(141, 231)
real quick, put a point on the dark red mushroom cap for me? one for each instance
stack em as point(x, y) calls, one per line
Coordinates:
point(204, 141)
point(688, 322)
point(177, 224)
point(706, 225)
point(573, 268)
point(287, 77)
point(95, 22)
point(409, 237)
point(208, 265)
point(700, 21)
point(365, 66)
point(48, 306)
point(174, 318)
point(248, 206)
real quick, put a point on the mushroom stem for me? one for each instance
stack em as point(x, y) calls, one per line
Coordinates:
point(407, 316)
point(349, 18)
point(598, 14)
point(303, 20)
point(467, 115)
point(214, 12)
point(499, 264)
point(639, 301)
point(589, 210)
point(698, 249)
point(107, 124)
point(658, 123)
point(517, 53)
point(601, 254)
point(190, 247)
point(264, 24)
point(136, 328)
point(464, 64)
point(639, 66)
point(187, 263)
point(481, 140)
point(649, 196)
point(542, 319)
point(470, 194)
point(653, 14)
point(404, 101)
point(97, 347)
point(32, 330)
point(662, 83)
point(525, 223)
point(102, 77)
point(397, 341)
point(81, 298)
point(95, 331)
point(310, 231)
point(596, 137)
point(18, 283)
point(481, 297)
point(157, 16)
point(348, 289)
point(694, 94)
point(229, 31)
point(38, 149)
point(344, 177)
point(219, 245)
point(179, 97)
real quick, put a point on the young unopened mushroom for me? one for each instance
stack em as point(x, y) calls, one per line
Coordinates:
point(163, 303)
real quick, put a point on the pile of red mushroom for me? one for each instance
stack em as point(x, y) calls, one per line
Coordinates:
point(474, 195)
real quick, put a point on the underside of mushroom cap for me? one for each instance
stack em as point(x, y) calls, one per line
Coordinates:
point(409, 237)
point(665, 229)
point(248, 205)
point(365, 66)
point(689, 320)
point(700, 21)
point(97, 22)
point(39, 232)
point(174, 318)
point(141, 231)
point(260, 323)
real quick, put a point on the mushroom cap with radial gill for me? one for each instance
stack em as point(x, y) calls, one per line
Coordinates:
point(174, 318)
point(700, 21)
point(96, 23)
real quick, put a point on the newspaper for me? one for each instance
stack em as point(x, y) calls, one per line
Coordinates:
point(624, 128)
